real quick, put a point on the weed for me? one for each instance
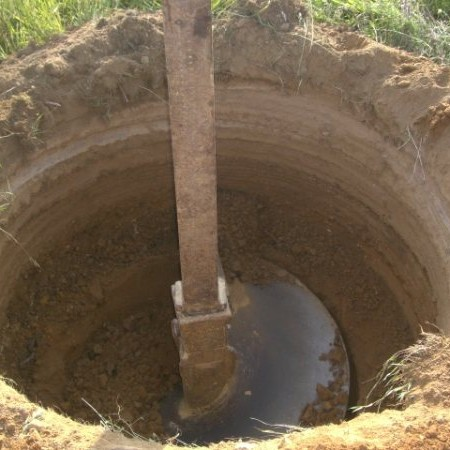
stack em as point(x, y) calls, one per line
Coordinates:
point(420, 26)
point(400, 374)
point(117, 424)
point(35, 129)
point(393, 382)
point(6, 198)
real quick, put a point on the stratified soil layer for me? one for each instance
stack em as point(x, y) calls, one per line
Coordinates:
point(332, 163)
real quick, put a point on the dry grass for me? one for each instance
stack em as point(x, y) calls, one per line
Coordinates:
point(406, 376)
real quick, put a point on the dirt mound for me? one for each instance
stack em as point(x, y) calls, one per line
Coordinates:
point(332, 169)
point(425, 366)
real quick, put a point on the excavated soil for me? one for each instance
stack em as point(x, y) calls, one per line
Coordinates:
point(332, 163)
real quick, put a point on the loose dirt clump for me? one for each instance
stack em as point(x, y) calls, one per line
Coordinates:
point(425, 365)
point(331, 400)
point(87, 335)
point(128, 368)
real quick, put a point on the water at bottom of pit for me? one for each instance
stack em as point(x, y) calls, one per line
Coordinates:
point(291, 368)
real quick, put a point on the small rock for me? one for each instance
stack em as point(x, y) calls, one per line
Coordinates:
point(38, 414)
point(327, 406)
point(128, 323)
point(103, 380)
point(244, 445)
point(141, 392)
point(44, 300)
point(309, 415)
point(323, 393)
point(404, 83)
point(34, 424)
point(341, 398)
point(111, 368)
point(65, 406)
point(97, 349)
point(96, 290)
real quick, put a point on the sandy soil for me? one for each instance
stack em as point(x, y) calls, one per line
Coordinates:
point(85, 324)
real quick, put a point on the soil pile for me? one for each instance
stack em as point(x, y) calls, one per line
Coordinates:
point(87, 335)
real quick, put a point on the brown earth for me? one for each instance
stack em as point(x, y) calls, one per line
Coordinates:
point(332, 155)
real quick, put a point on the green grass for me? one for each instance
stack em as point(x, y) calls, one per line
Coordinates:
point(420, 26)
point(25, 21)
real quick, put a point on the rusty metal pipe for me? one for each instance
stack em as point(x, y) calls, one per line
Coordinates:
point(201, 305)
point(188, 44)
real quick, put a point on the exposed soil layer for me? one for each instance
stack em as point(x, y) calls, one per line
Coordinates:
point(332, 160)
